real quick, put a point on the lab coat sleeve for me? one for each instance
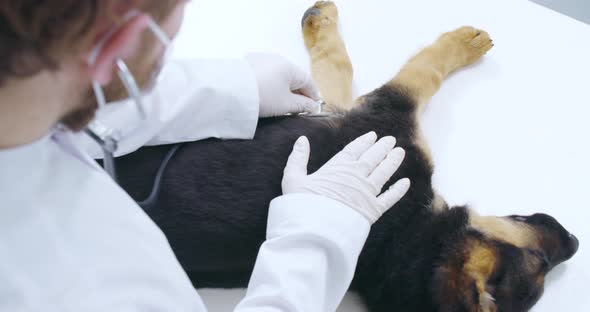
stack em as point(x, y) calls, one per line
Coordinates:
point(193, 100)
point(308, 260)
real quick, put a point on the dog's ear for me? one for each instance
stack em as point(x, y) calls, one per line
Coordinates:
point(459, 283)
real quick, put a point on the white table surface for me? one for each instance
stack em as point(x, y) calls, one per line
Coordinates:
point(510, 135)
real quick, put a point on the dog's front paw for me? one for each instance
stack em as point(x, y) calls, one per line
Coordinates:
point(322, 14)
point(470, 44)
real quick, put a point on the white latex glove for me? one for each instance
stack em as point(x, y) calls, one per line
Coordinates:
point(283, 87)
point(355, 176)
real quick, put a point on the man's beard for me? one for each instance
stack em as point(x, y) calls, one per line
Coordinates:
point(79, 118)
point(144, 69)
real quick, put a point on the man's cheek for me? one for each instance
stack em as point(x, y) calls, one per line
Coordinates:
point(171, 25)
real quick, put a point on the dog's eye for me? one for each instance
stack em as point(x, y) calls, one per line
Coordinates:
point(542, 258)
point(519, 218)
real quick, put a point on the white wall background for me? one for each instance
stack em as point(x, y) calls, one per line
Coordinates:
point(510, 135)
point(579, 9)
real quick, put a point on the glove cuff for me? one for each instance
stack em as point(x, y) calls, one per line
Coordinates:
point(318, 215)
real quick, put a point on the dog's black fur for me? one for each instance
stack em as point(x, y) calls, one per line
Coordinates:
point(215, 195)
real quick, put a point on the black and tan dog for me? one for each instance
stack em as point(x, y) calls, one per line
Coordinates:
point(420, 256)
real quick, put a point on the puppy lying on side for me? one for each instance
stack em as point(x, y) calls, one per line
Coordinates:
point(420, 256)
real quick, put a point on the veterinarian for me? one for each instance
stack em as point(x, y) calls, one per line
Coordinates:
point(72, 240)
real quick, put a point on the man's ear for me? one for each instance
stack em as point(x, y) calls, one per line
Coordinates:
point(459, 284)
point(123, 42)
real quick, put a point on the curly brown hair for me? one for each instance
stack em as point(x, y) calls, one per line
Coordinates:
point(36, 35)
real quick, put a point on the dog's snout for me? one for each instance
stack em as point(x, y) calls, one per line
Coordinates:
point(574, 244)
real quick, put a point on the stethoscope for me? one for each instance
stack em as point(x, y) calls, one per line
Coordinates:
point(108, 139)
point(109, 145)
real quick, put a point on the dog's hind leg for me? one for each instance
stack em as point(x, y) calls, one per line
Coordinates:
point(330, 64)
point(423, 74)
point(421, 77)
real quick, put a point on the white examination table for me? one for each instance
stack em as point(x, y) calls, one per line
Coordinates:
point(509, 135)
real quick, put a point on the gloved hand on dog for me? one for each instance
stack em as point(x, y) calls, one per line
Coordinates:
point(355, 176)
point(282, 86)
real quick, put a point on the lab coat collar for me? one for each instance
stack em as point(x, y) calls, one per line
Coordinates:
point(31, 159)
point(66, 139)
point(23, 167)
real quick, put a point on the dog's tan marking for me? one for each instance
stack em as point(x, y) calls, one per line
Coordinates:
point(330, 64)
point(503, 229)
point(424, 73)
point(439, 204)
point(420, 141)
point(480, 265)
point(458, 279)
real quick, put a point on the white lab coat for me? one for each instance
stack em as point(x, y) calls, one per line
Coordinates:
point(72, 240)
